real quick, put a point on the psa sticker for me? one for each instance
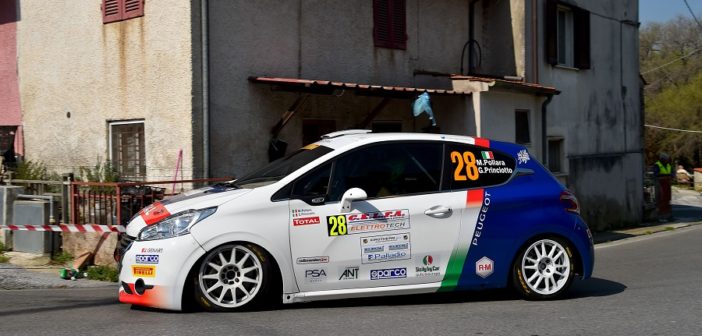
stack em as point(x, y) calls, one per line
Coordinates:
point(336, 225)
point(466, 167)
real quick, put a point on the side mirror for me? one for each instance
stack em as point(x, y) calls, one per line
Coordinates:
point(353, 194)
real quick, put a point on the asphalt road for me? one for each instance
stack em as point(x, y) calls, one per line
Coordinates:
point(650, 285)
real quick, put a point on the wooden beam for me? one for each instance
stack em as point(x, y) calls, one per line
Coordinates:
point(285, 118)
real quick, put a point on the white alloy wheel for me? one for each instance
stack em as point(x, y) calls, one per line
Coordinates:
point(230, 276)
point(544, 269)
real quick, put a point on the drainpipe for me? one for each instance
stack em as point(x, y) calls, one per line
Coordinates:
point(205, 89)
point(544, 140)
point(471, 37)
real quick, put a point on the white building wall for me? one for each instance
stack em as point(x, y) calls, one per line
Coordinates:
point(72, 63)
point(599, 115)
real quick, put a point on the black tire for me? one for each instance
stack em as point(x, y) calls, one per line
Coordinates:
point(234, 278)
point(543, 276)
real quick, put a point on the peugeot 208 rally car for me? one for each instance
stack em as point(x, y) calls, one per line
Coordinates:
point(362, 214)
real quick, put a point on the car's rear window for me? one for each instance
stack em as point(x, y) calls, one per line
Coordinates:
point(278, 169)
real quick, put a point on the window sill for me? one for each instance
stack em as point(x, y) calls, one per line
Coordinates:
point(565, 67)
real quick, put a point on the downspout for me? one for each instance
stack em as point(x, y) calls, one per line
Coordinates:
point(471, 37)
point(544, 140)
point(204, 24)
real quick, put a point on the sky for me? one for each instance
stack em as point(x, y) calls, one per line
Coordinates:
point(664, 10)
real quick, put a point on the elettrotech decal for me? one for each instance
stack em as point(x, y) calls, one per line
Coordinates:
point(340, 225)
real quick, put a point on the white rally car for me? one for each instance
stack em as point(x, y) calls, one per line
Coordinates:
point(361, 214)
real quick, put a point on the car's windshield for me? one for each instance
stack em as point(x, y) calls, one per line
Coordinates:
point(278, 169)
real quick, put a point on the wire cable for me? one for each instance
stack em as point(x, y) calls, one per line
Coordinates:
point(672, 129)
point(693, 14)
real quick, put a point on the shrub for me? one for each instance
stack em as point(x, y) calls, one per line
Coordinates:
point(103, 273)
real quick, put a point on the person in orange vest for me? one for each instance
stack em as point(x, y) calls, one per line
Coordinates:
point(664, 173)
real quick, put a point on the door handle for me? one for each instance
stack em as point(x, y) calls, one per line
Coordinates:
point(439, 211)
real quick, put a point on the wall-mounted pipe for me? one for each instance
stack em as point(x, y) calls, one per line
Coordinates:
point(204, 34)
point(544, 137)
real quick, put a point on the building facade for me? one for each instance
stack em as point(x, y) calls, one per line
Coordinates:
point(234, 84)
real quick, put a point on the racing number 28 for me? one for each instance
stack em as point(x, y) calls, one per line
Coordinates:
point(336, 225)
point(465, 166)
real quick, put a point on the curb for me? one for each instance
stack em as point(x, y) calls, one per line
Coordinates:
point(615, 235)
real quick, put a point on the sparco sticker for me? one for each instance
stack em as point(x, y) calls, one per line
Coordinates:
point(385, 248)
point(340, 225)
point(388, 273)
point(147, 259)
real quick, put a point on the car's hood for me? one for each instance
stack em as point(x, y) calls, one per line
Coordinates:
point(194, 199)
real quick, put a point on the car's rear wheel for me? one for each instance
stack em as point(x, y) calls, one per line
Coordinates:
point(544, 269)
point(233, 277)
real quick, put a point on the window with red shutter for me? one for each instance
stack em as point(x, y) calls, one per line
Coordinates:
point(119, 10)
point(390, 24)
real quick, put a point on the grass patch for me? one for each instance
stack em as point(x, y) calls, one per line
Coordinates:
point(62, 258)
point(103, 273)
point(3, 258)
point(669, 228)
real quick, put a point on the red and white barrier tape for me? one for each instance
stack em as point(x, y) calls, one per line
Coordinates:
point(67, 228)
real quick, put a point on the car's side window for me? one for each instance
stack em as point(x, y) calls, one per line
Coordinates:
point(469, 166)
point(389, 169)
point(314, 184)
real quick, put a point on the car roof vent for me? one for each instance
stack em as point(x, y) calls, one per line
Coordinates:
point(345, 132)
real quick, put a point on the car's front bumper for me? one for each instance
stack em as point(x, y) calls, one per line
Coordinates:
point(153, 273)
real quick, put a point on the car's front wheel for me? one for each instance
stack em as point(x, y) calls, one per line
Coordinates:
point(233, 277)
point(544, 270)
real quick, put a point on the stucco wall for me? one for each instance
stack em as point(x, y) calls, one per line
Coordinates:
point(498, 117)
point(598, 114)
point(72, 63)
point(10, 113)
point(330, 40)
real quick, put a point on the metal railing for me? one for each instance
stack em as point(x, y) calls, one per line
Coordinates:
point(115, 203)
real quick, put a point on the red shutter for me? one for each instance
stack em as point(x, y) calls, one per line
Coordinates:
point(399, 24)
point(381, 23)
point(133, 8)
point(112, 10)
point(390, 24)
point(551, 14)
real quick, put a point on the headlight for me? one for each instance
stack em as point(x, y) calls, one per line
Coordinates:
point(175, 225)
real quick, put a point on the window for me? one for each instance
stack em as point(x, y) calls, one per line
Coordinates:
point(313, 129)
point(475, 167)
point(564, 32)
point(521, 122)
point(386, 126)
point(120, 10)
point(555, 155)
point(386, 170)
point(127, 148)
point(389, 24)
point(567, 35)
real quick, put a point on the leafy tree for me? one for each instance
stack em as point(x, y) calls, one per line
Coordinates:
point(671, 62)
